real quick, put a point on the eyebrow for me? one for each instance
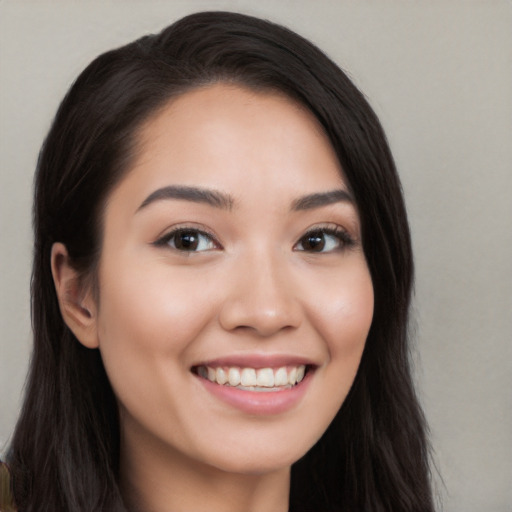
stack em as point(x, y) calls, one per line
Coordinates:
point(312, 201)
point(194, 194)
point(224, 201)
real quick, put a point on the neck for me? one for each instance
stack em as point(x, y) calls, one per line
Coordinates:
point(156, 480)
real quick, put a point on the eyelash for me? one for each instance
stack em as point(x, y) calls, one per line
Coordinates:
point(168, 237)
point(344, 240)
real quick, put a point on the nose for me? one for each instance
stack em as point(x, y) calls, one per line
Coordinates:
point(261, 298)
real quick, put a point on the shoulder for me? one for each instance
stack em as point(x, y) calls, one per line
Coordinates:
point(6, 496)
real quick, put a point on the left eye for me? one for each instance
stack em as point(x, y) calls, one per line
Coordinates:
point(188, 240)
point(323, 240)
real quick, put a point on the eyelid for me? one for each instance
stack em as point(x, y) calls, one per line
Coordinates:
point(163, 240)
point(345, 238)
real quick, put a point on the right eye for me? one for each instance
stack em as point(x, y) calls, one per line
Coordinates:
point(188, 240)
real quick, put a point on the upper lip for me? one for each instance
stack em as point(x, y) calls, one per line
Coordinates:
point(257, 361)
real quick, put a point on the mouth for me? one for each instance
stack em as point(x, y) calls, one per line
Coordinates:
point(257, 384)
point(259, 380)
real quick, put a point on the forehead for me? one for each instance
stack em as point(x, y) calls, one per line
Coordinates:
point(231, 138)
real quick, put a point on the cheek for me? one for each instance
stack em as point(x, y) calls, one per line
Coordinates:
point(345, 314)
point(343, 319)
point(340, 312)
point(150, 306)
point(148, 317)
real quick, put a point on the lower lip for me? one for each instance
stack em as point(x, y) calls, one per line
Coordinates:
point(259, 402)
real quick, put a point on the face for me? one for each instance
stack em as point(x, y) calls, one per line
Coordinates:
point(234, 295)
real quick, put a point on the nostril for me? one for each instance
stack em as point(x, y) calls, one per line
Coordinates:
point(260, 301)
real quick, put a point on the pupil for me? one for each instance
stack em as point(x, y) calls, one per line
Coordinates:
point(186, 240)
point(315, 242)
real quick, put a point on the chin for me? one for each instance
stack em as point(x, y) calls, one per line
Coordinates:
point(260, 465)
point(258, 457)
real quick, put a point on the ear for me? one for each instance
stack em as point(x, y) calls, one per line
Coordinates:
point(77, 304)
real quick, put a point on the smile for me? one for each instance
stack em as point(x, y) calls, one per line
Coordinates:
point(257, 385)
point(254, 379)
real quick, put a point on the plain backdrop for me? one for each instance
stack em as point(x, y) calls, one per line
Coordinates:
point(439, 75)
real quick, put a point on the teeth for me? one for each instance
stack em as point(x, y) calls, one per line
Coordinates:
point(281, 377)
point(222, 378)
point(248, 377)
point(234, 376)
point(260, 389)
point(263, 379)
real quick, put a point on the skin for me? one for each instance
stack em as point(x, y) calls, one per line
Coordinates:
point(253, 290)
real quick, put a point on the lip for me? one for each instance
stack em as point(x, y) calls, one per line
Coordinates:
point(258, 361)
point(259, 402)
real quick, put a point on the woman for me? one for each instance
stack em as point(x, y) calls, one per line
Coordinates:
point(221, 284)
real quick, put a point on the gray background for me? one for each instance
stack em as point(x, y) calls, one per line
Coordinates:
point(439, 74)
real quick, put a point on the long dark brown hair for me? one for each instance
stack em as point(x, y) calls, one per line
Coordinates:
point(64, 454)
